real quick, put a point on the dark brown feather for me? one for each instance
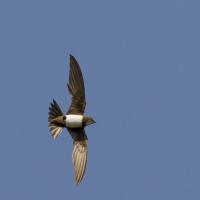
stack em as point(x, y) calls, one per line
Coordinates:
point(79, 154)
point(54, 112)
point(76, 88)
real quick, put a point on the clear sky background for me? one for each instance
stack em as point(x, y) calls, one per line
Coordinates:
point(141, 64)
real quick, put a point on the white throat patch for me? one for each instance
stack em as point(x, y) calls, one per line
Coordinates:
point(74, 121)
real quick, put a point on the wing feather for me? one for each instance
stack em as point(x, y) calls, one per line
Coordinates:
point(76, 88)
point(79, 159)
point(80, 153)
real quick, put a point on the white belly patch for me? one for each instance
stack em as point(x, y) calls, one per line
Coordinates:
point(74, 121)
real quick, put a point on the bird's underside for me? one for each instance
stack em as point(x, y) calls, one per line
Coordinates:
point(57, 120)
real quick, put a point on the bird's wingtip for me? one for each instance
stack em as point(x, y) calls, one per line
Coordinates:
point(77, 183)
point(71, 56)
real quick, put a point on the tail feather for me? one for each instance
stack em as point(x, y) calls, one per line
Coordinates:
point(54, 112)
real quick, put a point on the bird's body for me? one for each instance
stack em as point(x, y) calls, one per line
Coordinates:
point(74, 120)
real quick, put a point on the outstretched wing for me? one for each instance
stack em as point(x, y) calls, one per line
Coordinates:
point(76, 88)
point(79, 154)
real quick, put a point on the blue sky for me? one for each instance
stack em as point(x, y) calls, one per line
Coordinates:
point(141, 65)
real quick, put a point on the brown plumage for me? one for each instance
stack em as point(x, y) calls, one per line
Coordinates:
point(76, 88)
point(57, 120)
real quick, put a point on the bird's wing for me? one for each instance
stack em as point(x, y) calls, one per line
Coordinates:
point(76, 88)
point(54, 112)
point(79, 154)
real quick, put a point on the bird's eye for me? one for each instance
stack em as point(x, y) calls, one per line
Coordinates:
point(64, 117)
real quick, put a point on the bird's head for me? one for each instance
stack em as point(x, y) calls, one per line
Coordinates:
point(88, 121)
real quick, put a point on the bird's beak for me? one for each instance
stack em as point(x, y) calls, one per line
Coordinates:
point(91, 121)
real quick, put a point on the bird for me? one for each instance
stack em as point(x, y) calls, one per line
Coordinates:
point(73, 120)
